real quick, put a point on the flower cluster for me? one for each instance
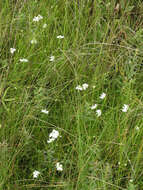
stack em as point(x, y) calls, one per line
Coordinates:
point(60, 37)
point(23, 60)
point(102, 96)
point(125, 108)
point(83, 87)
point(98, 111)
point(53, 135)
point(12, 50)
point(59, 166)
point(36, 174)
point(52, 58)
point(37, 18)
point(45, 111)
point(93, 107)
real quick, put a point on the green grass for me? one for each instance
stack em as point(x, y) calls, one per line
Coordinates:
point(102, 47)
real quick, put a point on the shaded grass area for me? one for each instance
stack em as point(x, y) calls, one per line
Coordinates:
point(102, 47)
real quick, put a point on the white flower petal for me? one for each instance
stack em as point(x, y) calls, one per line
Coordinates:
point(12, 50)
point(45, 111)
point(52, 58)
point(60, 37)
point(94, 106)
point(50, 140)
point(35, 174)
point(79, 88)
point(59, 166)
point(125, 108)
point(85, 86)
point(37, 18)
point(98, 113)
point(23, 60)
point(53, 135)
point(102, 96)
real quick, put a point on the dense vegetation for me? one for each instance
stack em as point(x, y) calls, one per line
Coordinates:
point(57, 58)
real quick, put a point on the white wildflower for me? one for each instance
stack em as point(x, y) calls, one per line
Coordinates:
point(60, 37)
point(79, 87)
point(50, 140)
point(23, 60)
point(35, 174)
point(85, 86)
point(12, 50)
point(59, 166)
point(34, 41)
point(37, 18)
point(98, 112)
point(52, 58)
point(45, 111)
point(53, 135)
point(93, 107)
point(102, 96)
point(44, 25)
point(125, 108)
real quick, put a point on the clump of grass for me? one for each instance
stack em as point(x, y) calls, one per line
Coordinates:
point(69, 56)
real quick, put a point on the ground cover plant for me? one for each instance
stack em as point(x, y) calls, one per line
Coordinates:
point(71, 94)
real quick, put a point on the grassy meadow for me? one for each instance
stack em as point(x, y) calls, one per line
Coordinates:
point(71, 95)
